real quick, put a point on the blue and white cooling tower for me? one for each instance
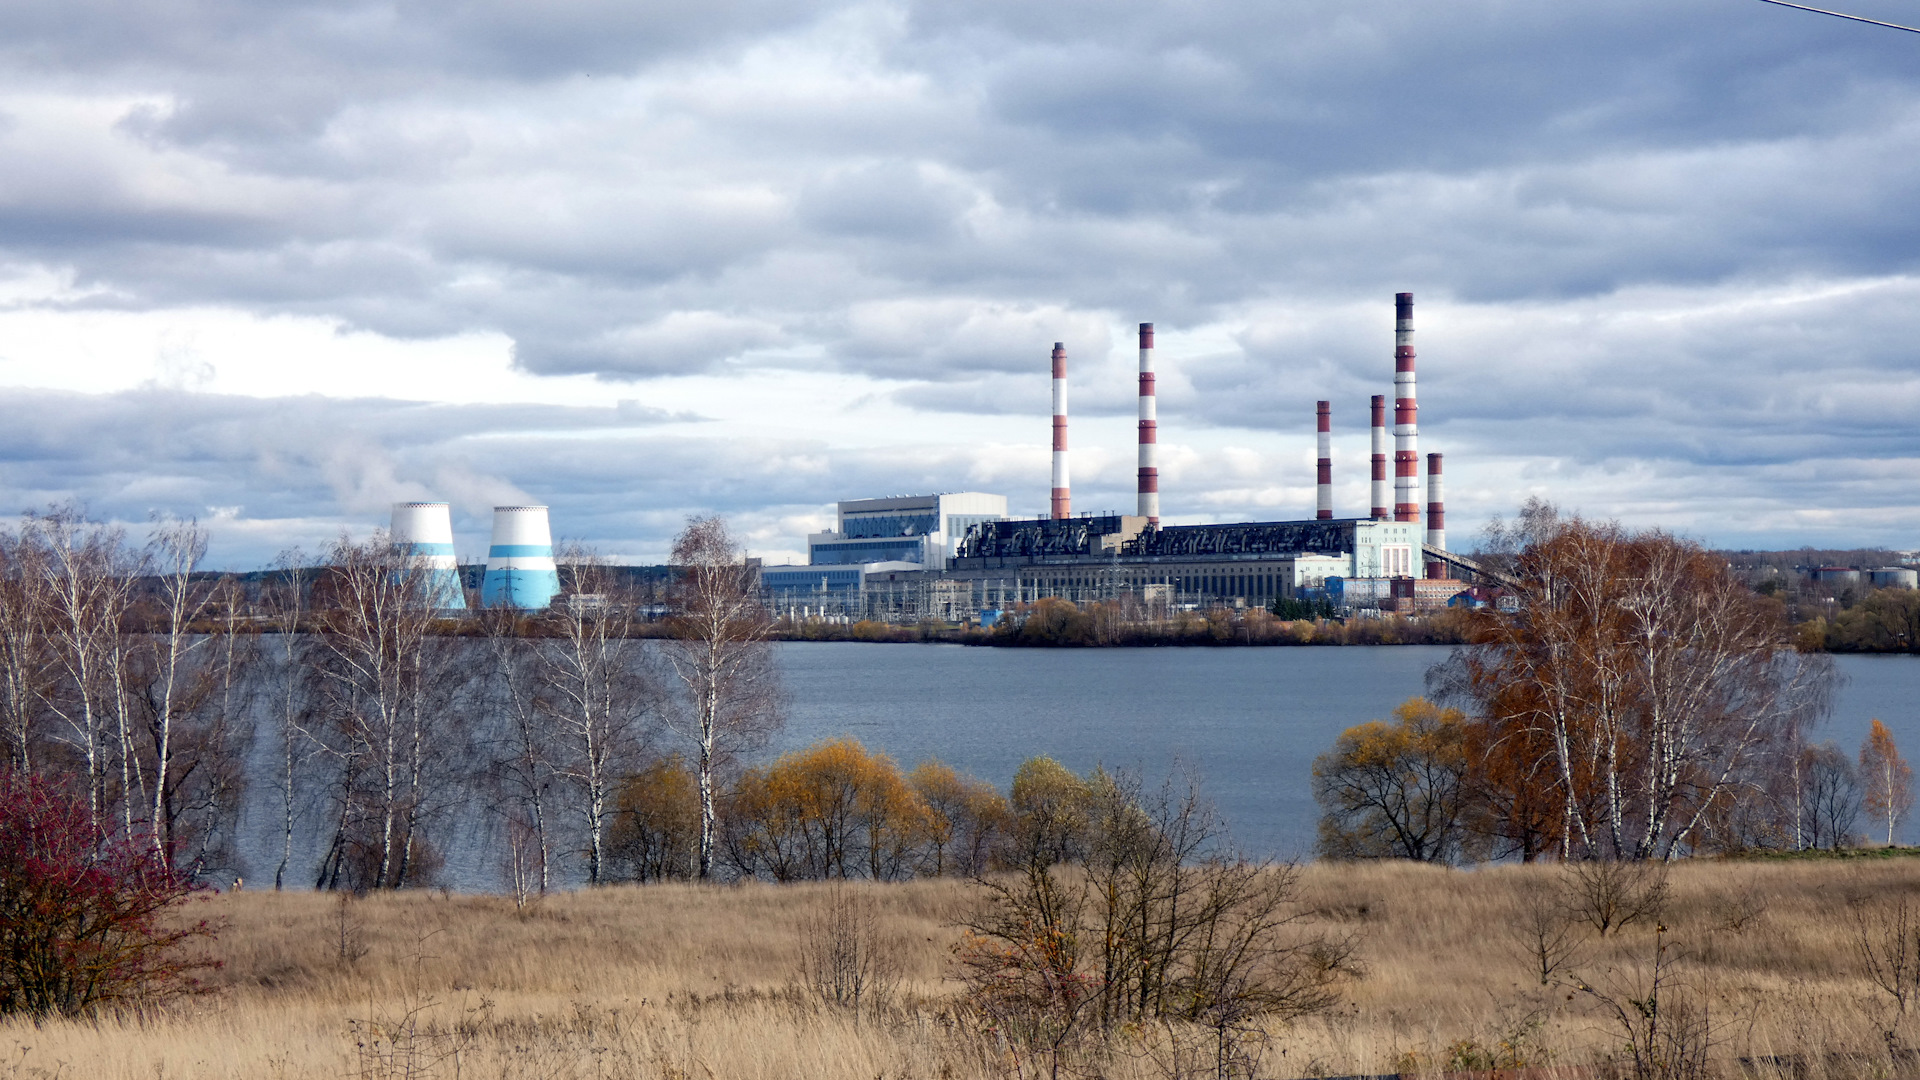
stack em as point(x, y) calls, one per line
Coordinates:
point(424, 533)
point(520, 570)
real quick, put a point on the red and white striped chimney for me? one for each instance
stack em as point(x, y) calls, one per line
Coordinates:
point(1406, 415)
point(1149, 432)
point(1062, 497)
point(1381, 510)
point(1436, 517)
point(1323, 479)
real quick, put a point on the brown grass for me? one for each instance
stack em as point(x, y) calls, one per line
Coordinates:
point(683, 981)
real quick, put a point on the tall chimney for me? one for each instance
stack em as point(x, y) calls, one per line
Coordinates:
point(1062, 499)
point(1382, 511)
point(1436, 517)
point(1406, 415)
point(1149, 432)
point(1323, 480)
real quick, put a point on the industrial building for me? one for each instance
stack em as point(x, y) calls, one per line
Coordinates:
point(955, 557)
point(876, 540)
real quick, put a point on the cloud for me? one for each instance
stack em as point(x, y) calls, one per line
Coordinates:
point(1665, 255)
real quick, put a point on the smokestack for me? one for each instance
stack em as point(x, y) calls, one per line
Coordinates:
point(1436, 517)
point(1323, 481)
point(1382, 511)
point(423, 531)
point(1406, 415)
point(520, 570)
point(1062, 498)
point(1149, 431)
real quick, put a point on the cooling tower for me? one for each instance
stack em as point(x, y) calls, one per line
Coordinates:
point(424, 533)
point(520, 571)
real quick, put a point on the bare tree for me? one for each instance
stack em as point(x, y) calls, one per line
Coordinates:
point(285, 604)
point(523, 765)
point(27, 662)
point(383, 676)
point(720, 655)
point(1830, 795)
point(177, 684)
point(87, 576)
point(595, 692)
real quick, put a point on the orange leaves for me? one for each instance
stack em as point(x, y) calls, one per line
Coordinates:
point(1639, 688)
point(1888, 779)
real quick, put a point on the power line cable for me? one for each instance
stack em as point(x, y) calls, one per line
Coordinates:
point(1844, 15)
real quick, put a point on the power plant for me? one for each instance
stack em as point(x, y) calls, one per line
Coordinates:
point(1384, 560)
point(957, 556)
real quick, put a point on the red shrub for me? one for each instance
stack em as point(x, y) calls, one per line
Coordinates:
point(86, 921)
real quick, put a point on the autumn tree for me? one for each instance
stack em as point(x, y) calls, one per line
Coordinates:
point(655, 834)
point(1887, 777)
point(1395, 790)
point(832, 810)
point(86, 921)
point(720, 655)
point(1652, 686)
point(965, 819)
point(1052, 814)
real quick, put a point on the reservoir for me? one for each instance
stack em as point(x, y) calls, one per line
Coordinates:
point(1246, 722)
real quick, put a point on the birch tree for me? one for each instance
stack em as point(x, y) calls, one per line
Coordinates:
point(284, 604)
point(1887, 777)
point(86, 576)
point(178, 685)
point(27, 663)
point(522, 766)
point(596, 692)
point(382, 677)
point(1654, 690)
point(720, 656)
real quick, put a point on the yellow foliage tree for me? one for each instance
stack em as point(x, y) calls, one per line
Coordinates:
point(1888, 778)
point(1395, 790)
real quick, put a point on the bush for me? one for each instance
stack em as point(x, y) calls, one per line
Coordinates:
point(86, 922)
point(656, 825)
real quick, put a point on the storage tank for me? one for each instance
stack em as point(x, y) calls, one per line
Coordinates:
point(1896, 577)
point(520, 570)
point(423, 531)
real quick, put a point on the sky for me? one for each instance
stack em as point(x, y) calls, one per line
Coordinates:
point(276, 265)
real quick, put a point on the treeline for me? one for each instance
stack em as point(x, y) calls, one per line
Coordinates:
point(155, 694)
point(1882, 621)
point(1640, 703)
point(1056, 623)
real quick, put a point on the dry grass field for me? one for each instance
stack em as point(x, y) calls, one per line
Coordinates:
point(680, 981)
